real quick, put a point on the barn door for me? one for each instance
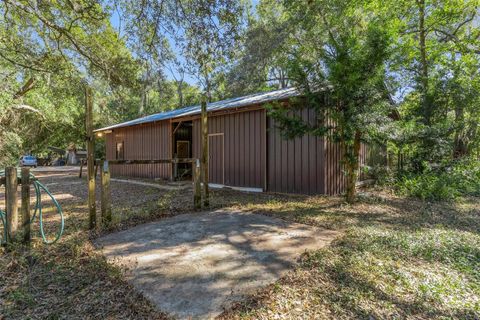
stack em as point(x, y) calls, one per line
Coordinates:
point(215, 158)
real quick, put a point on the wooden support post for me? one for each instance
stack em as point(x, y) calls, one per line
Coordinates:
point(96, 169)
point(204, 117)
point(175, 167)
point(197, 190)
point(81, 169)
point(106, 205)
point(11, 184)
point(26, 206)
point(90, 158)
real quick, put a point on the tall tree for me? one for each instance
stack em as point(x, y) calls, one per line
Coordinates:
point(262, 54)
point(47, 50)
point(437, 43)
point(203, 32)
point(343, 47)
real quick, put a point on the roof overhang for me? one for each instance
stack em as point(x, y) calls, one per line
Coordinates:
point(214, 107)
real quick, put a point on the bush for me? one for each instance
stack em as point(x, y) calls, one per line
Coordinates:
point(447, 182)
point(10, 149)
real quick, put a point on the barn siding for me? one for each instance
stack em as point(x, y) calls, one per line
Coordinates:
point(244, 146)
point(295, 165)
point(254, 156)
point(335, 179)
point(143, 142)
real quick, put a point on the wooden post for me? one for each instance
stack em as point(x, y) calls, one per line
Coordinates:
point(197, 190)
point(96, 169)
point(106, 205)
point(205, 152)
point(175, 167)
point(11, 184)
point(90, 158)
point(26, 205)
point(81, 169)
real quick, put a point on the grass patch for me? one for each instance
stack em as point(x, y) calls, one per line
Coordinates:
point(70, 279)
point(398, 258)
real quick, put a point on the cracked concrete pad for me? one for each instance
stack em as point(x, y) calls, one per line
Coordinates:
point(197, 265)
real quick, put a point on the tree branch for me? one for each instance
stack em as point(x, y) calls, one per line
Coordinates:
point(25, 88)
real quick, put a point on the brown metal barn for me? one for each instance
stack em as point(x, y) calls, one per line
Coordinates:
point(245, 147)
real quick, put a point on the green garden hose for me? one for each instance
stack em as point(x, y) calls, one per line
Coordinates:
point(38, 209)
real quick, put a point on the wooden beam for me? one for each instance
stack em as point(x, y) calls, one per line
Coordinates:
point(90, 158)
point(197, 190)
point(11, 203)
point(153, 161)
point(175, 168)
point(26, 206)
point(106, 206)
point(81, 169)
point(176, 128)
point(96, 168)
point(204, 125)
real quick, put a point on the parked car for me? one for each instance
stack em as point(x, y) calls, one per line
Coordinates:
point(28, 161)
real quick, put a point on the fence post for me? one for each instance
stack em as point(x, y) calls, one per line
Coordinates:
point(90, 158)
point(175, 167)
point(11, 184)
point(197, 191)
point(26, 205)
point(204, 126)
point(81, 169)
point(97, 163)
point(106, 206)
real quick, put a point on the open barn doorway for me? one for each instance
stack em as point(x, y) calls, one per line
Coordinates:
point(182, 148)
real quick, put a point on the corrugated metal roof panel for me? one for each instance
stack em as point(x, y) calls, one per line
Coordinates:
point(214, 106)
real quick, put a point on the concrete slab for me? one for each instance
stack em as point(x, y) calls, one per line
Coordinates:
point(195, 265)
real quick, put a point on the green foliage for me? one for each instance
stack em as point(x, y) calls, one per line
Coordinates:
point(447, 182)
point(439, 78)
point(10, 143)
point(339, 62)
point(260, 63)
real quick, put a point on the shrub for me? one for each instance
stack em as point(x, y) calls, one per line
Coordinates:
point(446, 182)
point(10, 148)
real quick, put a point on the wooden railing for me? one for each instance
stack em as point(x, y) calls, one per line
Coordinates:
point(105, 194)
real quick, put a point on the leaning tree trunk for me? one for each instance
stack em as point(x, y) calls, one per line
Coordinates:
point(351, 156)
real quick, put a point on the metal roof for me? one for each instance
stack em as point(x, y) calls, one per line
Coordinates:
point(214, 106)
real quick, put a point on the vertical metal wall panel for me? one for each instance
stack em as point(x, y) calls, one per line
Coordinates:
point(335, 179)
point(293, 163)
point(308, 164)
point(216, 158)
point(244, 146)
point(143, 142)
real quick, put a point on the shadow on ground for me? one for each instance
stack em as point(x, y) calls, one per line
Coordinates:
point(199, 264)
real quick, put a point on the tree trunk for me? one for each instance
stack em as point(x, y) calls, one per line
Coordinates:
point(180, 93)
point(141, 108)
point(460, 148)
point(423, 67)
point(90, 157)
point(351, 156)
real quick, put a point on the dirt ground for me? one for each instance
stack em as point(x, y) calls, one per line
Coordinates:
point(72, 274)
point(396, 258)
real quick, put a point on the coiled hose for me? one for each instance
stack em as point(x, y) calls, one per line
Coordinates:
point(38, 209)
